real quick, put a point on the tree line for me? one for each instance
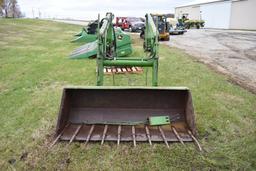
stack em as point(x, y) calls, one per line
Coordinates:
point(10, 8)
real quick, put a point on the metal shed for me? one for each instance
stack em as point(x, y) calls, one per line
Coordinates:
point(221, 14)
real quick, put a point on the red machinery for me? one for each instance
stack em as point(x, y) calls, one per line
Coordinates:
point(122, 23)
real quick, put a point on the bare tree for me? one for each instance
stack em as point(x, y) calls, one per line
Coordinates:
point(17, 10)
point(1, 12)
point(10, 8)
point(5, 5)
point(13, 8)
point(1, 9)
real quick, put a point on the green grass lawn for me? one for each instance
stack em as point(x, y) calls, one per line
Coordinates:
point(34, 68)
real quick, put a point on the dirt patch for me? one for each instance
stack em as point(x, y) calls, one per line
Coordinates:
point(232, 53)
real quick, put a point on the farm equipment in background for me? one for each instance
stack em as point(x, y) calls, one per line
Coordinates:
point(194, 24)
point(188, 23)
point(160, 21)
point(136, 24)
point(121, 114)
point(176, 26)
point(122, 23)
point(133, 24)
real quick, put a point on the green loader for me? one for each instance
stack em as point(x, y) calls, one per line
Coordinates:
point(126, 114)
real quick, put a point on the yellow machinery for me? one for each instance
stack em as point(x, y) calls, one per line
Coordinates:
point(163, 26)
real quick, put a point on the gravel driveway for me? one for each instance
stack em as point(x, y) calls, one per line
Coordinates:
point(231, 52)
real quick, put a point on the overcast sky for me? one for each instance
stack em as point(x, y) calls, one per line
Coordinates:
point(88, 9)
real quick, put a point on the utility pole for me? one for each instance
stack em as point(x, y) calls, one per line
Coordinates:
point(33, 13)
point(39, 13)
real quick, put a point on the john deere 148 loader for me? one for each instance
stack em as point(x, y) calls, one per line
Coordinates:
point(126, 114)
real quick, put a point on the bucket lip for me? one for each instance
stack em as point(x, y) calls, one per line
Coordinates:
point(125, 88)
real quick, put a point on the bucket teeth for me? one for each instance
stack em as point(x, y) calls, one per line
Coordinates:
point(195, 140)
point(90, 134)
point(177, 135)
point(75, 133)
point(119, 134)
point(163, 136)
point(104, 134)
point(58, 137)
point(148, 135)
point(135, 133)
point(133, 136)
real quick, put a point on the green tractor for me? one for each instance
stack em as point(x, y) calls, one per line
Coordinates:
point(160, 20)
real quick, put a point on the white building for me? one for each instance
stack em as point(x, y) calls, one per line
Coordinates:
point(222, 14)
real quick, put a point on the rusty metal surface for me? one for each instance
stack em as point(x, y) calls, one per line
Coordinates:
point(123, 70)
point(89, 115)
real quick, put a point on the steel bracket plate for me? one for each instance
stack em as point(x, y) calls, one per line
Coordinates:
point(159, 120)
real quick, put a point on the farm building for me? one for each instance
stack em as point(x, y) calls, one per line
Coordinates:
point(222, 14)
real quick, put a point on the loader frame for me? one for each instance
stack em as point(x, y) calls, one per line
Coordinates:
point(107, 55)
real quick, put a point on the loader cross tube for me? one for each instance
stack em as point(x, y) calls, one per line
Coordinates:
point(106, 55)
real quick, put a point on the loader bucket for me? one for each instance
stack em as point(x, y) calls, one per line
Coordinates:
point(116, 114)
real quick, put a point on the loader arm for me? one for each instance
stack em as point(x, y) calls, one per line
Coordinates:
point(151, 37)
